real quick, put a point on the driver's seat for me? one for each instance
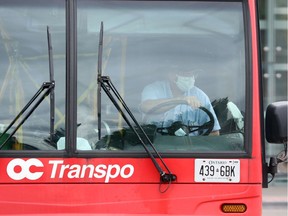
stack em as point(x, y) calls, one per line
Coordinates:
point(229, 116)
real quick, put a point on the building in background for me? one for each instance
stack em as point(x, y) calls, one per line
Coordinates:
point(274, 27)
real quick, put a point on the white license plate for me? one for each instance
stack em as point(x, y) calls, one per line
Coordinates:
point(217, 170)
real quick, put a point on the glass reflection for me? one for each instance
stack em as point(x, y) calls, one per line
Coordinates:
point(145, 41)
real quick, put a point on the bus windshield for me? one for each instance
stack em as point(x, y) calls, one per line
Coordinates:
point(180, 67)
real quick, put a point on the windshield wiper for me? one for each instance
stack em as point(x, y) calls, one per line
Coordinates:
point(45, 89)
point(99, 69)
point(52, 81)
point(105, 83)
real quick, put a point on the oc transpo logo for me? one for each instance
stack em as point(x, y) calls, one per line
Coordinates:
point(19, 169)
point(32, 169)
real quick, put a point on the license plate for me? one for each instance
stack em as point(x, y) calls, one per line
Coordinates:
point(217, 170)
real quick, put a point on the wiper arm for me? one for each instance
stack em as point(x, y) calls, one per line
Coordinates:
point(106, 84)
point(43, 91)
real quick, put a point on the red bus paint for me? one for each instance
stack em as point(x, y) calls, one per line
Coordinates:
point(91, 195)
point(116, 175)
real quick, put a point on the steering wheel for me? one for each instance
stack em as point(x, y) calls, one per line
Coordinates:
point(204, 129)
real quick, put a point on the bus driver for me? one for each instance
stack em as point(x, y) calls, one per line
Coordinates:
point(177, 99)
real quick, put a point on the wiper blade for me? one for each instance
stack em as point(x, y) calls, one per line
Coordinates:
point(52, 95)
point(100, 51)
point(105, 83)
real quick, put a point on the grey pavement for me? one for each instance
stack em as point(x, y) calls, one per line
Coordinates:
point(275, 201)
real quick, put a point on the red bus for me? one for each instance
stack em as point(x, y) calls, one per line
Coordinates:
point(135, 107)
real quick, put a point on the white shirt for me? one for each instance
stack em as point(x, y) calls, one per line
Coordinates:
point(182, 112)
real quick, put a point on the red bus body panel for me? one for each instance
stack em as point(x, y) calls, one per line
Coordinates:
point(62, 188)
point(180, 199)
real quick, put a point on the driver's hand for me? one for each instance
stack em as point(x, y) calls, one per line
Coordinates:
point(192, 101)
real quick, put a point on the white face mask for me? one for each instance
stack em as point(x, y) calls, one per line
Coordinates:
point(185, 83)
